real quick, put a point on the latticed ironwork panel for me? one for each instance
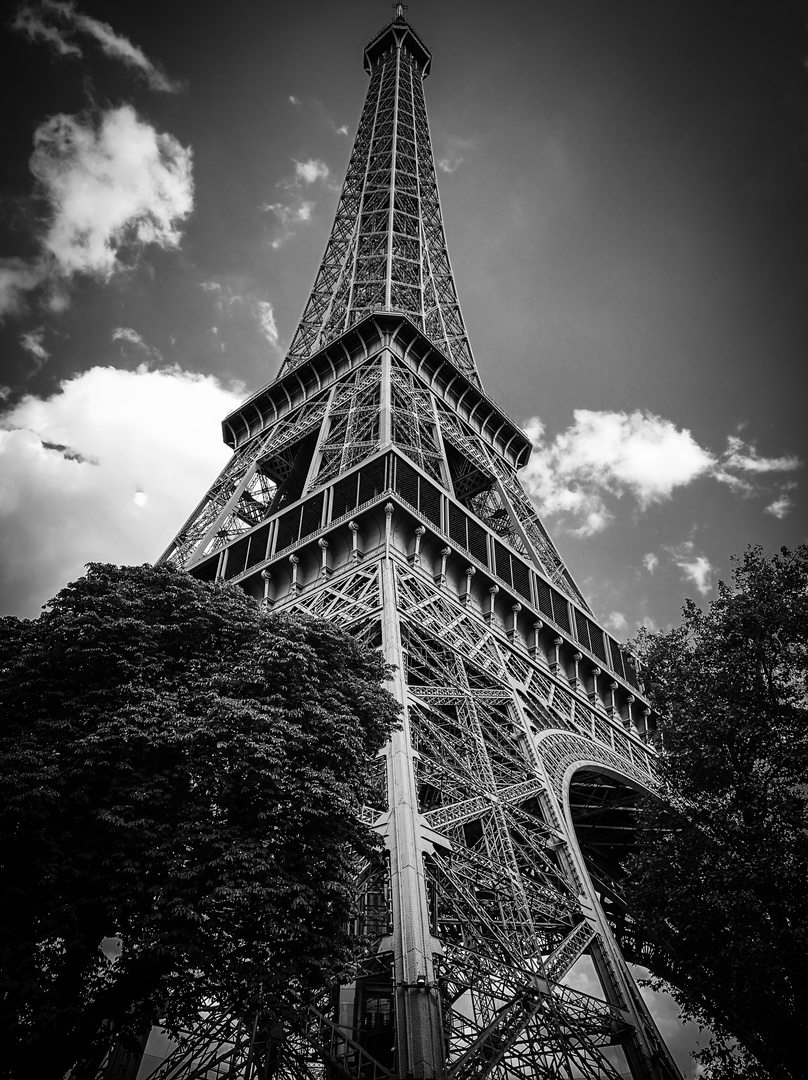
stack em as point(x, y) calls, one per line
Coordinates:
point(491, 734)
point(414, 428)
point(352, 433)
point(387, 250)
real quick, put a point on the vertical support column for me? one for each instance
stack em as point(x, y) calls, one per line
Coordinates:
point(385, 402)
point(418, 1026)
point(388, 283)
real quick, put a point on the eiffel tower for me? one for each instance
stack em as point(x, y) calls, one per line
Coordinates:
point(375, 483)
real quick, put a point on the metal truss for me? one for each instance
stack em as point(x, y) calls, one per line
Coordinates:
point(387, 250)
point(234, 494)
point(414, 426)
point(517, 520)
point(353, 429)
point(506, 800)
point(509, 902)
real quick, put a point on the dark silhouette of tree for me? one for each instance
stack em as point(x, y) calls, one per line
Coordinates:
point(720, 878)
point(180, 771)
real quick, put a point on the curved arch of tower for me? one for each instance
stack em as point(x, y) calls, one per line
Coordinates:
point(374, 483)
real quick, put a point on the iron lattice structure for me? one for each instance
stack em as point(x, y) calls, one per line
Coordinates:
point(374, 483)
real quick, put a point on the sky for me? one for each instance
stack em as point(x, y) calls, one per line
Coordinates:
point(624, 193)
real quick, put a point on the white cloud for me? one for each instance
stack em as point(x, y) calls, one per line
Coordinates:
point(294, 100)
point(31, 341)
point(616, 621)
point(223, 295)
point(781, 507)
point(290, 214)
point(650, 561)
point(105, 469)
point(451, 153)
point(116, 184)
point(744, 457)
point(699, 570)
point(295, 208)
point(639, 454)
point(341, 130)
point(311, 170)
point(120, 48)
point(613, 452)
point(267, 319)
point(32, 20)
point(126, 333)
point(236, 305)
point(16, 278)
point(696, 568)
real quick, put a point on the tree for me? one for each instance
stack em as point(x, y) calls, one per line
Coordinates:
point(182, 772)
point(720, 877)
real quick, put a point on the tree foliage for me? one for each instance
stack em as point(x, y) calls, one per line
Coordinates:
point(720, 878)
point(182, 772)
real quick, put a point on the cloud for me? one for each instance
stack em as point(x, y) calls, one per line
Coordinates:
point(616, 621)
point(290, 214)
point(744, 457)
point(610, 452)
point(638, 454)
point(31, 341)
point(311, 170)
point(111, 185)
point(296, 206)
point(16, 278)
point(699, 570)
point(450, 157)
point(33, 20)
point(781, 507)
point(234, 306)
point(105, 469)
point(650, 561)
point(267, 319)
point(29, 22)
point(696, 568)
point(341, 130)
point(126, 333)
point(294, 100)
point(120, 48)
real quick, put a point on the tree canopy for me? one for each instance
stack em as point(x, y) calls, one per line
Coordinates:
point(720, 877)
point(181, 771)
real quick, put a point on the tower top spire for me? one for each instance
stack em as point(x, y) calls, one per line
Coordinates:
point(397, 34)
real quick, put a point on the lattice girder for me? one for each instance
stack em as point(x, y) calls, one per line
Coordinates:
point(492, 734)
point(387, 250)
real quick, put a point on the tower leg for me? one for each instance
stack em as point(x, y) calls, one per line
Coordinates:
point(418, 1024)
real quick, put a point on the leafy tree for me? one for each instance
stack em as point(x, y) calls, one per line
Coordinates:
point(720, 877)
point(180, 771)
